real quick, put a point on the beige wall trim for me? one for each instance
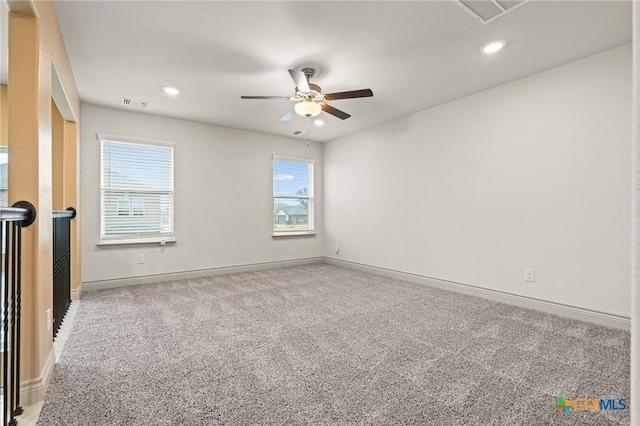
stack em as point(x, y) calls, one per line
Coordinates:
point(32, 391)
point(150, 279)
point(582, 314)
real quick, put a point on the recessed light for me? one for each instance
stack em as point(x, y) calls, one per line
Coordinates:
point(318, 122)
point(494, 46)
point(170, 90)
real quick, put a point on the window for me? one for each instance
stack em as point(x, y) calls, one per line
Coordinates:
point(4, 178)
point(136, 190)
point(292, 196)
point(127, 206)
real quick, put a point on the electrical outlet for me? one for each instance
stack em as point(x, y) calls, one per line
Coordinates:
point(337, 248)
point(49, 319)
point(530, 275)
point(140, 259)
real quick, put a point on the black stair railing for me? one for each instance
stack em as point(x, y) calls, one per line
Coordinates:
point(12, 220)
point(61, 265)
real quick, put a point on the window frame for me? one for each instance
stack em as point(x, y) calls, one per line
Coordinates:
point(161, 238)
point(310, 197)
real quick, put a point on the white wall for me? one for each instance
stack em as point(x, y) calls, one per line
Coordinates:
point(223, 196)
point(532, 174)
point(635, 285)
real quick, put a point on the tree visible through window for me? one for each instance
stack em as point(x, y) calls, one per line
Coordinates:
point(292, 194)
point(136, 190)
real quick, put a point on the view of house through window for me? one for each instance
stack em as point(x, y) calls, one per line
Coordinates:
point(4, 177)
point(136, 190)
point(292, 194)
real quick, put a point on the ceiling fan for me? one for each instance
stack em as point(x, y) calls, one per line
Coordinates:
point(310, 98)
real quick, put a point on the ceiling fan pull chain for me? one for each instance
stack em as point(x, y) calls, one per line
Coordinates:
point(308, 128)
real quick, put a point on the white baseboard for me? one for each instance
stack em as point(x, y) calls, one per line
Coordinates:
point(76, 293)
point(32, 391)
point(574, 312)
point(185, 275)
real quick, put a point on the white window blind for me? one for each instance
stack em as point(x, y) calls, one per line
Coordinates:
point(292, 195)
point(136, 190)
point(4, 177)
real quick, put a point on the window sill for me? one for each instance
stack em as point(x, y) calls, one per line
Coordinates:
point(158, 241)
point(293, 234)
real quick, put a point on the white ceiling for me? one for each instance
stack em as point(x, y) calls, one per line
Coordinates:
point(413, 55)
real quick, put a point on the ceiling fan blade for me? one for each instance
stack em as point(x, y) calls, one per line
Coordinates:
point(288, 115)
point(364, 93)
point(284, 98)
point(301, 80)
point(336, 112)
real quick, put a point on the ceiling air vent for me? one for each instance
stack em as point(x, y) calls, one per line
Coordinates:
point(133, 103)
point(485, 11)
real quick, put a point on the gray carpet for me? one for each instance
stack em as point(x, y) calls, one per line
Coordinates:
point(319, 344)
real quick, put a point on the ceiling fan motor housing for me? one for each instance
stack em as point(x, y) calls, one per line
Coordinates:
point(315, 88)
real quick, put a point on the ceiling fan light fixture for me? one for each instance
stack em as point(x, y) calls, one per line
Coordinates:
point(308, 109)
